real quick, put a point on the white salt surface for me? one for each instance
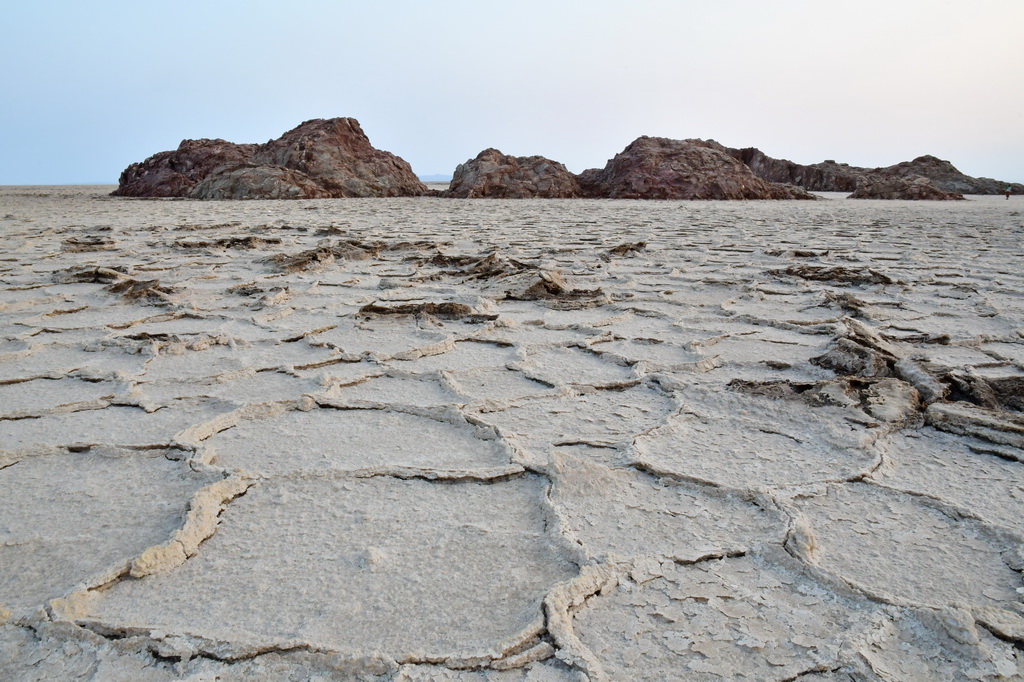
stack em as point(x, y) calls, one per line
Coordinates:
point(762, 440)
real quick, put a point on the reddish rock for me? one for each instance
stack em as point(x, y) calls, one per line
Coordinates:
point(827, 176)
point(496, 175)
point(175, 173)
point(946, 177)
point(337, 154)
point(660, 168)
point(250, 181)
point(889, 186)
point(321, 158)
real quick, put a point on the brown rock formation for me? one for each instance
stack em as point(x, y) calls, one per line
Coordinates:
point(338, 156)
point(321, 158)
point(252, 181)
point(829, 176)
point(175, 173)
point(660, 168)
point(890, 186)
point(496, 175)
point(946, 177)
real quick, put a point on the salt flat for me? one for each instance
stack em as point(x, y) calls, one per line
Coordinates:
point(420, 439)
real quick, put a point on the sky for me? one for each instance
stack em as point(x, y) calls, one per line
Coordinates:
point(92, 86)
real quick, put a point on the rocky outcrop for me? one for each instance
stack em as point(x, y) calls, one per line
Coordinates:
point(175, 173)
point(946, 177)
point(337, 154)
point(829, 176)
point(889, 186)
point(252, 181)
point(321, 158)
point(496, 175)
point(326, 158)
point(660, 168)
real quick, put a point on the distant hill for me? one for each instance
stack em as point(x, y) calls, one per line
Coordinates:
point(435, 178)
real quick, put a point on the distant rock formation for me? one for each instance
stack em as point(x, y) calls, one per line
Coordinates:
point(331, 158)
point(945, 176)
point(496, 175)
point(321, 158)
point(660, 168)
point(893, 186)
point(830, 176)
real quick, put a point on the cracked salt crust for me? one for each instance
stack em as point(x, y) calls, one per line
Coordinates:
point(731, 618)
point(497, 385)
point(626, 513)
point(326, 439)
point(40, 395)
point(120, 503)
point(237, 388)
point(468, 354)
point(602, 417)
point(380, 391)
point(566, 366)
point(901, 549)
point(113, 425)
point(408, 568)
point(400, 340)
point(757, 347)
point(655, 353)
point(956, 470)
point(751, 442)
point(655, 480)
point(55, 361)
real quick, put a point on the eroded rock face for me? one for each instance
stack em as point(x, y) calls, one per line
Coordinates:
point(946, 177)
point(885, 186)
point(251, 181)
point(660, 168)
point(175, 173)
point(829, 176)
point(496, 175)
point(338, 156)
point(321, 158)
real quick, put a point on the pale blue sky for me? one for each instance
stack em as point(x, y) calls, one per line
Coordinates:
point(91, 86)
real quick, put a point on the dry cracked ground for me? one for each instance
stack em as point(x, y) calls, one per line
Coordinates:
point(510, 440)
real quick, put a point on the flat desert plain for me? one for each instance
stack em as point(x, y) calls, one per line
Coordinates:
point(430, 439)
